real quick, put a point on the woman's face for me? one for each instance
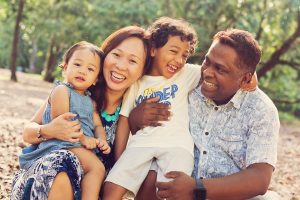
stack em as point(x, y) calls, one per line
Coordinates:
point(124, 64)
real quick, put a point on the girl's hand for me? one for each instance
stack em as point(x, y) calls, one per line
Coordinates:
point(62, 128)
point(148, 113)
point(104, 146)
point(89, 142)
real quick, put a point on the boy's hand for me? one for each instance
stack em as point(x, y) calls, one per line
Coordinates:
point(103, 146)
point(89, 142)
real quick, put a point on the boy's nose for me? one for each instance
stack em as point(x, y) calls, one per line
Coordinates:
point(179, 60)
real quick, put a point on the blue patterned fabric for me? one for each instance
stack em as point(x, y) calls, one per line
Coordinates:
point(81, 105)
point(35, 183)
point(229, 138)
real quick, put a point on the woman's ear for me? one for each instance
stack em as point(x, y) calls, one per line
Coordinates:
point(249, 82)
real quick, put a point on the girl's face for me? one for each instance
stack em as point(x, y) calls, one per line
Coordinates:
point(82, 69)
point(124, 64)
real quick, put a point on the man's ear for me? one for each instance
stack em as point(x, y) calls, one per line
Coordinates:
point(249, 82)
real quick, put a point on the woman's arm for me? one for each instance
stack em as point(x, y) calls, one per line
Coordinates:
point(61, 128)
point(122, 135)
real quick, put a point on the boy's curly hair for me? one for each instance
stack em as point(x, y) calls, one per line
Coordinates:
point(164, 27)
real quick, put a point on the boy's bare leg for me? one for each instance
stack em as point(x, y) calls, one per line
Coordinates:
point(147, 190)
point(94, 172)
point(61, 183)
point(113, 191)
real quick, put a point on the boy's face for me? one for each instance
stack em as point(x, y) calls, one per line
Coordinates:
point(170, 58)
point(222, 77)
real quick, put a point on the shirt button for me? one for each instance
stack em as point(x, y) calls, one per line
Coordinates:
point(216, 108)
point(206, 133)
point(204, 152)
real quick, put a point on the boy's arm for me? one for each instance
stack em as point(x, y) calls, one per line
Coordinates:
point(122, 135)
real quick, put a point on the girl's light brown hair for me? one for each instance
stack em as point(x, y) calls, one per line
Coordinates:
point(81, 45)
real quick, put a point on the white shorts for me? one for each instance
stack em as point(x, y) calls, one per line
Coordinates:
point(134, 164)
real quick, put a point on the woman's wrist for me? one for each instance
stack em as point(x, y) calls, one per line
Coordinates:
point(40, 133)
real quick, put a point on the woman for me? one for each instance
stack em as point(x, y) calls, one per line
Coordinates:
point(58, 175)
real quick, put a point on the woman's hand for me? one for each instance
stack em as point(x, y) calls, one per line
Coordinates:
point(63, 128)
point(148, 113)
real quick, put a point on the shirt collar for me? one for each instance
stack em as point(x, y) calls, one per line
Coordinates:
point(235, 101)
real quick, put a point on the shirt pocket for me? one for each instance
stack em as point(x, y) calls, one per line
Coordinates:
point(232, 145)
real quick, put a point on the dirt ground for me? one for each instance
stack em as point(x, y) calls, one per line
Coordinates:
point(20, 100)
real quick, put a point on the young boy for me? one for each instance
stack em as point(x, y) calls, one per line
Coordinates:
point(170, 145)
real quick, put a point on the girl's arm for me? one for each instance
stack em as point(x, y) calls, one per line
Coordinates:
point(60, 128)
point(99, 130)
point(100, 133)
point(60, 104)
point(122, 135)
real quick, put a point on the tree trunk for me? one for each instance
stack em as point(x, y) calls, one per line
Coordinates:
point(33, 56)
point(50, 61)
point(14, 51)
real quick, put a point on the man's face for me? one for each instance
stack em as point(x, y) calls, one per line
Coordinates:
point(222, 77)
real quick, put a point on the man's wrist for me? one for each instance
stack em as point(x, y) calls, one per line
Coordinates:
point(199, 191)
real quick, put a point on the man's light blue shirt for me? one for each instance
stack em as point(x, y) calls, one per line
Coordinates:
point(229, 138)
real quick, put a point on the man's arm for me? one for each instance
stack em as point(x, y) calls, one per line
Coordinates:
point(148, 113)
point(248, 183)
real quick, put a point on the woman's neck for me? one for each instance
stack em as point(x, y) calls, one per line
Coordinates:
point(113, 100)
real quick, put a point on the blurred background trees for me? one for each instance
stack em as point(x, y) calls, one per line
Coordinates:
point(49, 27)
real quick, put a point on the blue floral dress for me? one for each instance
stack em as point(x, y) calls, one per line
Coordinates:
point(35, 183)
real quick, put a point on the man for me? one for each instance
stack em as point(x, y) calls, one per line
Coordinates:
point(235, 131)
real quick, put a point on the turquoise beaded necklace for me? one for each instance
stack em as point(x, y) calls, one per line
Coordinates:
point(113, 117)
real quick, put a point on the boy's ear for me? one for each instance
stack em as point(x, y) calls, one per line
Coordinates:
point(152, 51)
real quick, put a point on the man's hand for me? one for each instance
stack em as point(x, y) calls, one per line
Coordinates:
point(148, 113)
point(181, 187)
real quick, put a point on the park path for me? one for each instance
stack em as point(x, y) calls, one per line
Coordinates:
point(19, 101)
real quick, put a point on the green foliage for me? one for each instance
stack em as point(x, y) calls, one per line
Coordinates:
point(70, 21)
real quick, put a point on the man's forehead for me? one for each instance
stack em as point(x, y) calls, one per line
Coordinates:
point(222, 54)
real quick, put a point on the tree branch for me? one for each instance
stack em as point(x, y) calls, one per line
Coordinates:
point(274, 60)
point(286, 101)
point(292, 64)
point(260, 28)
